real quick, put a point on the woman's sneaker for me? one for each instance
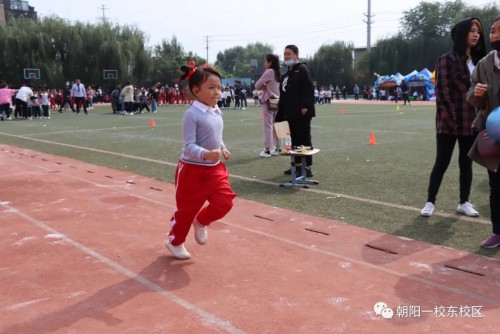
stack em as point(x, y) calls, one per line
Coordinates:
point(428, 209)
point(179, 252)
point(492, 242)
point(265, 154)
point(276, 152)
point(467, 209)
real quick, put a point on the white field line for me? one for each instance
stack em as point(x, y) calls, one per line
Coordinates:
point(276, 184)
point(224, 324)
point(208, 317)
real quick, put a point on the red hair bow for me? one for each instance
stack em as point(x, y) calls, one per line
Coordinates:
point(191, 64)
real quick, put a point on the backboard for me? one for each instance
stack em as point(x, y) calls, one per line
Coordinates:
point(31, 73)
point(110, 74)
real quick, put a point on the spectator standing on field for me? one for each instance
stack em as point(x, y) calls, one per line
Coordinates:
point(483, 94)
point(128, 98)
point(297, 104)
point(66, 98)
point(78, 93)
point(269, 85)
point(6, 95)
point(405, 90)
point(454, 115)
point(22, 97)
point(44, 101)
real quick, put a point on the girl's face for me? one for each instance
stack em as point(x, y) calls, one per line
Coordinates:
point(473, 35)
point(495, 32)
point(289, 54)
point(267, 64)
point(209, 91)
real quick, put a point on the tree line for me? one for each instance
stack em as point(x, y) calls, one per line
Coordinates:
point(64, 51)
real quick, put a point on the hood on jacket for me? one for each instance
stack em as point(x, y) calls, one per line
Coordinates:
point(459, 34)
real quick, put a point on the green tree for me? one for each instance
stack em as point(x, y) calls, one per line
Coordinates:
point(431, 19)
point(424, 37)
point(333, 64)
point(168, 57)
point(236, 61)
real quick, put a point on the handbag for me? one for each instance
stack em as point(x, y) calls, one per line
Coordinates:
point(272, 103)
point(487, 146)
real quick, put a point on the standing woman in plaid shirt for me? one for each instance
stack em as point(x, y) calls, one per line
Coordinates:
point(454, 115)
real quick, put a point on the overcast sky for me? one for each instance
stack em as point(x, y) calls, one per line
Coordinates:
point(229, 23)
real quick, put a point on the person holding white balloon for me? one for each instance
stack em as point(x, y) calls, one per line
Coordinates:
point(483, 94)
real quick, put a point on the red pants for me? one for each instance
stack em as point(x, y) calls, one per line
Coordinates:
point(194, 185)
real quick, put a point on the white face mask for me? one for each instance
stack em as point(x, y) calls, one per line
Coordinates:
point(289, 62)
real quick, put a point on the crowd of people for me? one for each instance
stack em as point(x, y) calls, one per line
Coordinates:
point(29, 102)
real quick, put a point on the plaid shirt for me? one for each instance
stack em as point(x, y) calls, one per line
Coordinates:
point(454, 115)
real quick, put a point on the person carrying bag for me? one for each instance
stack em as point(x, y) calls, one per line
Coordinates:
point(268, 84)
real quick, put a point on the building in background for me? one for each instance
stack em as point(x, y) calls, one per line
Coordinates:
point(16, 8)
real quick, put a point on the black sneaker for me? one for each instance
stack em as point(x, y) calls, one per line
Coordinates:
point(309, 172)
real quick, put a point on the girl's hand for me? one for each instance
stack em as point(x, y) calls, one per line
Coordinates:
point(480, 89)
point(226, 153)
point(212, 156)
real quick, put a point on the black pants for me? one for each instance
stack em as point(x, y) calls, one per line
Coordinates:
point(300, 131)
point(45, 110)
point(21, 108)
point(67, 100)
point(129, 107)
point(5, 108)
point(406, 98)
point(80, 101)
point(494, 181)
point(445, 146)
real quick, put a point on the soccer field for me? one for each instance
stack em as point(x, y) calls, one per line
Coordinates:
point(380, 187)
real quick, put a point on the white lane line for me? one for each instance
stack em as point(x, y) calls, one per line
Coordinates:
point(314, 249)
point(410, 277)
point(208, 317)
point(21, 305)
point(276, 184)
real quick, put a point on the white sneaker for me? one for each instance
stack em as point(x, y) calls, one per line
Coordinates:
point(428, 209)
point(200, 233)
point(264, 154)
point(179, 252)
point(467, 209)
point(275, 152)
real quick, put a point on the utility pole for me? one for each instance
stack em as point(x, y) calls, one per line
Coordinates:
point(104, 18)
point(206, 39)
point(369, 23)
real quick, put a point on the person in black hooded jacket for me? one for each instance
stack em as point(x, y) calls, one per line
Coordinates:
point(454, 115)
point(296, 104)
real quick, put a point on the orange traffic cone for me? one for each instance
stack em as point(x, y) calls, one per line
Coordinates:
point(152, 123)
point(341, 111)
point(372, 140)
